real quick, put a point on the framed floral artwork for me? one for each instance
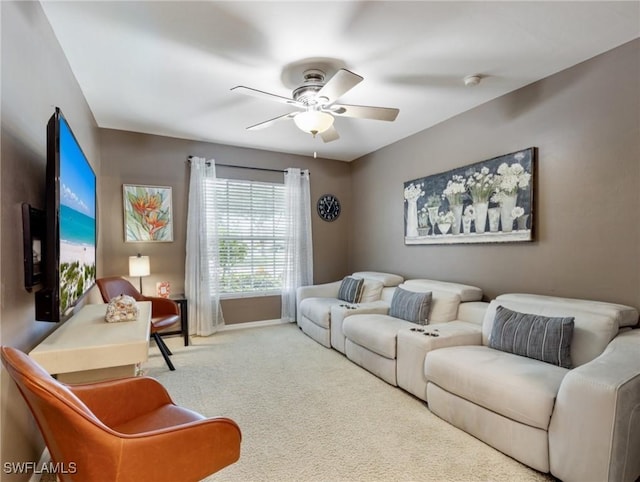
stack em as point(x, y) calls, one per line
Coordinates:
point(163, 289)
point(147, 213)
point(485, 202)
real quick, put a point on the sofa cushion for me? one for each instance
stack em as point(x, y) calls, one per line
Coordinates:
point(351, 289)
point(516, 387)
point(387, 279)
point(534, 336)
point(473, 312)
point(371, 290)
point(444, 307)
point(592, 330)
point(376, 333)
point(318, 310)
point(444, 304)
point(387, 294)
point(465, 292)
point(624, 315)
point(410, 306)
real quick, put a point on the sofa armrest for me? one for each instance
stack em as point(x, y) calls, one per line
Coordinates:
point(472, 311)
point(594, 432)
point(379, 307)
point(326, 290)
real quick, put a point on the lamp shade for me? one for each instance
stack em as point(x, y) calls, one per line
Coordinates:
point(139, 266)
point(313, 121)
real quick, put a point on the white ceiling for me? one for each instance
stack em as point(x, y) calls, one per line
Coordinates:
point(166, 67)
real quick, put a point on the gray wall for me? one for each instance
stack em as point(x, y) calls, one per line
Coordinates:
point(35, 78)
point(585, 122)
point(132, 158)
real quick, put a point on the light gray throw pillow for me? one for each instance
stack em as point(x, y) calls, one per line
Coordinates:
point(534, 336)
point(410, 306)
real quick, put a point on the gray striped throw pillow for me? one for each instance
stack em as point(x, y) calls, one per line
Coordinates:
point(410, 306)
point(351, 289)
point(534, 336)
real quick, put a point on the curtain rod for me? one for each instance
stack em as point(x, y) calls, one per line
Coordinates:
point(244, 167)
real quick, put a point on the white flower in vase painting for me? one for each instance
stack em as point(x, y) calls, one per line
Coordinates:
point(511, 178)
point(480, 185)
point(413, 192)
point(469, 212)
point(423, 218)
point(445, 218)
point(455, 190)
point(517, 212)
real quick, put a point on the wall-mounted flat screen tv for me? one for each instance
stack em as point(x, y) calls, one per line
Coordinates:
point(69, 254)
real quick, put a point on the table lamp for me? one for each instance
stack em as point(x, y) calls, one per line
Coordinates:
point(139, 266)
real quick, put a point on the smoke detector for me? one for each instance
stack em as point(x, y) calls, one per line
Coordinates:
point(471, 80)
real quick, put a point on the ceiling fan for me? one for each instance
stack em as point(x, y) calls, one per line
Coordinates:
point(316, 100)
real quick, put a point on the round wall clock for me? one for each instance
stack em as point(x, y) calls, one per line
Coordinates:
point(328, 207)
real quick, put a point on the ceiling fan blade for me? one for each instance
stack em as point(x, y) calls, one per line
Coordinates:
point(364, 112)
point(270, 122)
point(266, 95)
point(331, 134)
point(343, 81)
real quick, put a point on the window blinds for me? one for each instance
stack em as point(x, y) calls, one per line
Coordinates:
point(251, 234)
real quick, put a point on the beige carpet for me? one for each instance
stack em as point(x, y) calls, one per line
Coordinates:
point(308, 414)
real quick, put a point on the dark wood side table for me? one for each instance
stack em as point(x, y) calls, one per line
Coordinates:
point(184, 318)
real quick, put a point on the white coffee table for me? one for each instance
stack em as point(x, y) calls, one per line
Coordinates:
point(86, 348)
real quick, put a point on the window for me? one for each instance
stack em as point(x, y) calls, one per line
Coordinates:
point(251, 236)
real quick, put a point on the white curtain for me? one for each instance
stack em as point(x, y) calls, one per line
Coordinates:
point(201, 267)
point(299, 249)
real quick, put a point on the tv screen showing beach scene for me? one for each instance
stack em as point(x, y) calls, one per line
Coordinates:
point(77, 190)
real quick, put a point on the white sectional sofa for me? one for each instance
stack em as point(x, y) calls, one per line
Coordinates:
point(318, 304)
point(580, 423)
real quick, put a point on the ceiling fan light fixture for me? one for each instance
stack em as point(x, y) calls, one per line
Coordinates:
point(472, 80)
point(313, 121)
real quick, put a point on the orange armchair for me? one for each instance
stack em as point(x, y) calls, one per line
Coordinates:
point(121, 430)
point(164, 312)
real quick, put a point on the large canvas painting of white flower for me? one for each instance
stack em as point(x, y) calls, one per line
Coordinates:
point(486, 202)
